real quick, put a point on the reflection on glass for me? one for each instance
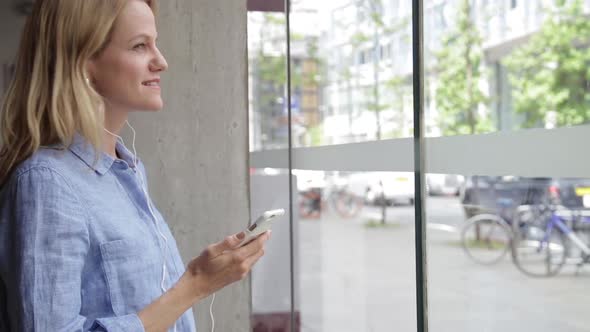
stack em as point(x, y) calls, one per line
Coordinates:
point(506, 65)
point(271, 276)
point(351, 73)
point(267, 56)
point(357, 269)
point(269, 189)
point(365, 77)
point(486, 244)
point(510, 249)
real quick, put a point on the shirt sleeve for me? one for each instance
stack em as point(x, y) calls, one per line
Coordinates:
point(50, 242)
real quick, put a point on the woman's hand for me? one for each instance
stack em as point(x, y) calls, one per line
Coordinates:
point(218, 266)
point(222, 264)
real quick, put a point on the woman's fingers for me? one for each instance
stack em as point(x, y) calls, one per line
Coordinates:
point(249, 262)
point(219, 265)
point(254, 246)
point(245, 257)
point(228, 243)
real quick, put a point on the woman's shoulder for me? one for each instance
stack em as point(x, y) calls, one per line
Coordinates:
point(50, 164)
point(53, 167)
point(44, 175)
point(49, 159)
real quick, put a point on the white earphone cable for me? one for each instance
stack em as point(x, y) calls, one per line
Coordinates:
point(153, 215)
point(143, 187)
point(211, 314)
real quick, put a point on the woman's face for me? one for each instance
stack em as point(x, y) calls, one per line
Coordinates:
point(127, 72)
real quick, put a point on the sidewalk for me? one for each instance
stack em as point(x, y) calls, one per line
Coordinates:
point(355, 279)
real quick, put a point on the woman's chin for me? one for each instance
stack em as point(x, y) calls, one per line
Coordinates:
point(153, 107)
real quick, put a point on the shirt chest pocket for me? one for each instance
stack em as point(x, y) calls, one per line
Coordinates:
point(132, 272)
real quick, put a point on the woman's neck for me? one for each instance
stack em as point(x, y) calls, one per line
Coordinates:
point(113, 123)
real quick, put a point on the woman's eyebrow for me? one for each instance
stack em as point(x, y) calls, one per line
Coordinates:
point(143, 35)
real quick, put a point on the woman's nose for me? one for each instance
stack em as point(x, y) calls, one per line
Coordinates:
point(159, 62)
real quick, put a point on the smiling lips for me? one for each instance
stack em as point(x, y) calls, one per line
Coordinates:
point(155, 83)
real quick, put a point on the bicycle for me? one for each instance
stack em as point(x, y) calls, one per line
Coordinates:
point(541, 250)
point(487, 236)
point(315, 200)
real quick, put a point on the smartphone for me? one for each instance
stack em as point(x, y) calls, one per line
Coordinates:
point(261, 225)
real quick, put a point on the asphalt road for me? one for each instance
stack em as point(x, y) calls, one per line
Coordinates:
point(357, 278)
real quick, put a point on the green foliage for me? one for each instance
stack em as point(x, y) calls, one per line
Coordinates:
point(274, 19)
point(373, 10)
point(315, 135)
point(358, 39)
point(297, 37)
point(460, 69)
point(373, 223)
point(273, 69)
point(270, 70)
point(551, 72)
point(396, 133)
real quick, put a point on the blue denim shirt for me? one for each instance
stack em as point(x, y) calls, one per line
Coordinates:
point(79, 248)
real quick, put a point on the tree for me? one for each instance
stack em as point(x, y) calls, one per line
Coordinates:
point(460, 70)
point(368, 44)
point(270, 72)
point(380, 30)
point(309, 76)
point(550, 74)
point(459, 67)
point(373, 10)
point(269, 75)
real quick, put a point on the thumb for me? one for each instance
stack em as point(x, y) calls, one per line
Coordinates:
point(228, 243)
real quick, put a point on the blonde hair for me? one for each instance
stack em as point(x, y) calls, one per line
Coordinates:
point(49, 100)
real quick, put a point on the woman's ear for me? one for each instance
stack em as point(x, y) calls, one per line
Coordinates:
point(89, 71)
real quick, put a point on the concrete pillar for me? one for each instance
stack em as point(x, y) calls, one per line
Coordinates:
point(196, 149)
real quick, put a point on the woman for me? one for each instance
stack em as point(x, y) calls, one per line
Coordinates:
point(82, 248)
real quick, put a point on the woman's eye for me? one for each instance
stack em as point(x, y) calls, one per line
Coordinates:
point(139, 46)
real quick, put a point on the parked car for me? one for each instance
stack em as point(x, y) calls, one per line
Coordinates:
point(484, 193)
point(391, 188)
point(444, 184)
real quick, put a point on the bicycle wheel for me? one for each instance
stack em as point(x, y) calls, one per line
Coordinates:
point(310, 205)
point(486, 238)
point(346, 204)
point(538, 255)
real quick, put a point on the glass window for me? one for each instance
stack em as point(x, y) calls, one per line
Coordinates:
point(269, 187)
point(497, 223)
point(507, 191)
point(354, 230)
point(508, 76)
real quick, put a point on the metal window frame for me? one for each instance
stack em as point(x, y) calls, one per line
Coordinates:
point(520, 153)
point(266, 6)
point(419, 156)
point(419, 166)
point(290, 165)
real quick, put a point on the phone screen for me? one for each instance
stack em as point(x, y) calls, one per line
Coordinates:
point(252, 227)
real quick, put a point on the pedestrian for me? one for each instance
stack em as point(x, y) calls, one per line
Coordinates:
point(82, 246)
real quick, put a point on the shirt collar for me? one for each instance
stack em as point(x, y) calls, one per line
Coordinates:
point(87, 153)
point(125, 154)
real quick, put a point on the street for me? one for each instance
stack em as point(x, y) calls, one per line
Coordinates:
point(358, 278)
